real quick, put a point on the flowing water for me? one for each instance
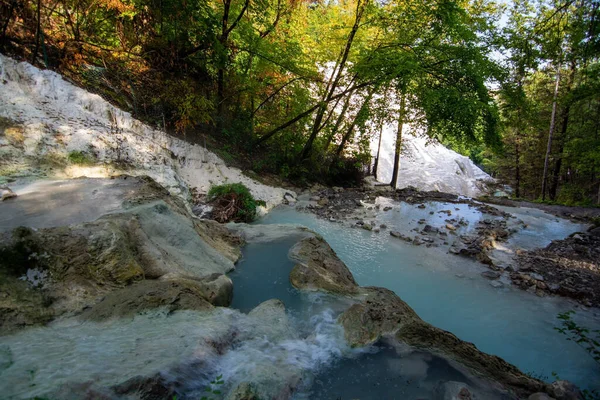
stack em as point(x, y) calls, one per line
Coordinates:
point(330, 369)
point(69, 356)
point(448, 291)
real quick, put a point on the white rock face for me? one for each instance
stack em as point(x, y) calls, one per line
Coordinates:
point(57, 117)
point(428, 166)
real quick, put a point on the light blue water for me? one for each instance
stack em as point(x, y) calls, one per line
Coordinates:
point(264, 274)
point(331, 370)
point(510, 323)
point(387, 374)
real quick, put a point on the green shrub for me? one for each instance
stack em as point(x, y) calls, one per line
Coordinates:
point(233, 202)
point(80, 158)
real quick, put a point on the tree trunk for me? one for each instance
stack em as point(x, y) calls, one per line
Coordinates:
point(348, 134)
point(298, 117)
point(321, 111)
point(223, 40)
point(398, 149)
point(339, 120)
point(37, 33)
point(11, 9)
point(550, 132)
point(563, 133)
point(376, 165)
point(517, 168)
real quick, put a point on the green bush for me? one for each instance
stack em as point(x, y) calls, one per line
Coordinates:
point(80, 158)
point(233, 202)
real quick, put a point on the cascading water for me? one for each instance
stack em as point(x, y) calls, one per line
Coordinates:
point(426, 164)
point(330, 369)
point(448, 291)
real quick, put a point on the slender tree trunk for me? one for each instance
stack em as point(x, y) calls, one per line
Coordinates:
point(223, 40)
point(563, 133)
point(221, 71)
point(298, 117)
point(518, 138)
point(348, 134)
point(376, 165)
point(321, 111)
point(37, 33)
point(9, 14)
point(339, 120)
point(398, 148)
point(517, 168)
point(550, 132)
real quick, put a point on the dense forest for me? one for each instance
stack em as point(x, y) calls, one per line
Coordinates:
point(301, 88)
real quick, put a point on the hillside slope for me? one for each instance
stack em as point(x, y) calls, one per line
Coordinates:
point(46, 119)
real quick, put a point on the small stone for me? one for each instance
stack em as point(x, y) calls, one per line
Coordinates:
point(367, 227)
point(450, 227)
point(358, 203)
point(496, 284)
point(383, 226)
point(323, 202)
point(490, 274)
point(288, 198)
point(387, 208)
point(421, 206)
point(429, 228)
point(315, 198)
point(6, 193)
point(536, 276)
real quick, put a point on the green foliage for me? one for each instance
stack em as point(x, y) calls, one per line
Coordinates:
point(539, 41)
point(238, 69)
point(80, 158)
point(233, 202)
point(586, 338)
point(214, 388)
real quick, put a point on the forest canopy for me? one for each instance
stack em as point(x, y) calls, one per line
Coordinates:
point(302, 88)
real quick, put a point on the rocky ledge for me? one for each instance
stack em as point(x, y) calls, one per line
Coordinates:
point(378, 313)
point(569, 267)
point(151, 254)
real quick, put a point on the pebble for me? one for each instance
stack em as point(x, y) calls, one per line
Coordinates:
point(496, 284)
point(490, 274)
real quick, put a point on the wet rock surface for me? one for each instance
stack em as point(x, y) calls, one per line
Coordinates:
point(573, 213)
point(176, 294)
point(380, 313)
point(113, 263)
point(319, 268)
point(569, 267)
